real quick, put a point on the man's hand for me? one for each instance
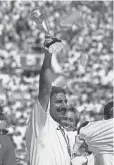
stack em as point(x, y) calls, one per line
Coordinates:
point(77, 145)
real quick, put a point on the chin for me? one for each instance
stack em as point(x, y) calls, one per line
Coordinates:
point(68, 129)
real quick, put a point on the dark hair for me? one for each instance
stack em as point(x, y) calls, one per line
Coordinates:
point(72, 109)
point(82, 125)
point(108, 111)
point(56, 90)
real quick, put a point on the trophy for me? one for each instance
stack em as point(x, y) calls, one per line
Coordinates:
point(40, 19)
point(66, 21)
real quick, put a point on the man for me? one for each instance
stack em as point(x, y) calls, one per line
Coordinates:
point(46, 140)
point(70, 122)
point(71, 118)
point(99, 137)
point(7, 154)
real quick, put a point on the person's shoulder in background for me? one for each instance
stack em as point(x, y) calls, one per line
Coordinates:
point(7, 150)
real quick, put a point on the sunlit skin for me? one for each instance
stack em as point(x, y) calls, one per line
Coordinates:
point(69, 121)
point(58, 106)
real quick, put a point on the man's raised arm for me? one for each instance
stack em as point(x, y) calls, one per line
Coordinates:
point(45, 82)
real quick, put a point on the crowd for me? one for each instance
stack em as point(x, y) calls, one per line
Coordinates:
point(89, 90)
point(50, 122)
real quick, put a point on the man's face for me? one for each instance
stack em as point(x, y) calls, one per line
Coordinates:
point(69, 121)
point(58, 106)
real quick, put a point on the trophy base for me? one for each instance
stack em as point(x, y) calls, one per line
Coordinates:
point(50, 41)
point(54, 45)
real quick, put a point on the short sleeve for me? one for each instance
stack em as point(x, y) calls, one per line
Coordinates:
point(38, 118)
point(36, 123)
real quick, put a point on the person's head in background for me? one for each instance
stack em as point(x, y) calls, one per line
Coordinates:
point(71, 118)
point(58, 103)
point(3, 121)
point(108, 110)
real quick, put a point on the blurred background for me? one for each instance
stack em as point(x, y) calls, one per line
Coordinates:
point(89, 87)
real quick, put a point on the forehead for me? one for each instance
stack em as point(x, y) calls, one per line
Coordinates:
point(59, 96)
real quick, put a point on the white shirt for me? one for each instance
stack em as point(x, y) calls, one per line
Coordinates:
point(79, 160)
point(104, 159)
point(45, 143)
point(99, 137)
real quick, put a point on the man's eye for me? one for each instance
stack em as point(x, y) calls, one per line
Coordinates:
point(71, 120)
point(64, 118)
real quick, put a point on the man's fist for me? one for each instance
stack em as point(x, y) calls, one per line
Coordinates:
point(54, 45)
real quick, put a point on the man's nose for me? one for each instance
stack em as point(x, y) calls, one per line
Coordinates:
point(67, 122)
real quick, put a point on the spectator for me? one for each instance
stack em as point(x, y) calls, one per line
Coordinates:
point(69, 122)
point(3, 121)
point(7, 154)
point(71, 119)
